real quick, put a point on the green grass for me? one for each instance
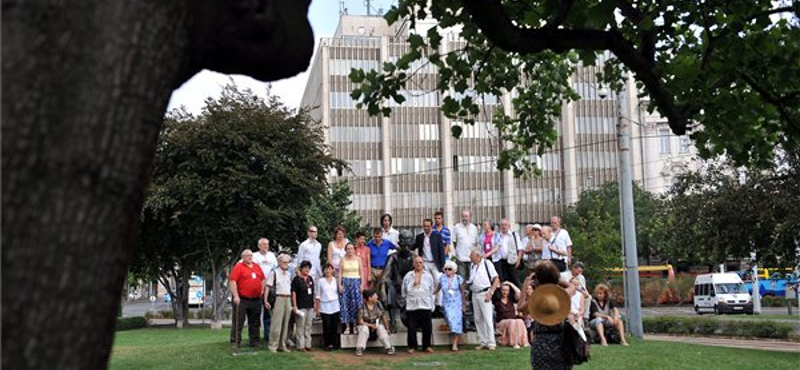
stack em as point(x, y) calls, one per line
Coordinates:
point(201, 348)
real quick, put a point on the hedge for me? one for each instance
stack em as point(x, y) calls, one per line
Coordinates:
point(129, 323)
point(710, 326)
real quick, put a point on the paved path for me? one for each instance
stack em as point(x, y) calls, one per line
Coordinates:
point(761, 344)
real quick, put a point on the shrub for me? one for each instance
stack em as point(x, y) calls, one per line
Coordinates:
point(129, 323)
point(773, 301)
point(710, 326)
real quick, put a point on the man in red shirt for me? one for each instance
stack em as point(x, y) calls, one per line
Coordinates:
point(247, 286)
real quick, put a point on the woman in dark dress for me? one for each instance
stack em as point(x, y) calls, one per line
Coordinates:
point(548, 334)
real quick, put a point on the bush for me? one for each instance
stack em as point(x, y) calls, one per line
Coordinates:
point(164, 314)
point(129, 323)
point(773, 301)
point(710, 326)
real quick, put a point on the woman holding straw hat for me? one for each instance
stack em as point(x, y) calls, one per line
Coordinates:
point(549, 305)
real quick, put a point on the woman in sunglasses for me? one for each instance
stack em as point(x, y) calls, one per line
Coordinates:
point(453, 301)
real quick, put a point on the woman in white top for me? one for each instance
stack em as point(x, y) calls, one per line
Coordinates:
point(327, 305)
point(336, 247)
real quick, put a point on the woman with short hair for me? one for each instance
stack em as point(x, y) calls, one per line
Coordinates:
point(453, 301)
point(350, 272)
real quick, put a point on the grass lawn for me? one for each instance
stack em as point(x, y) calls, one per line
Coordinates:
point(202, 348)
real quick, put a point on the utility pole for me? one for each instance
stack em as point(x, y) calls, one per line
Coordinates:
point(632, 297)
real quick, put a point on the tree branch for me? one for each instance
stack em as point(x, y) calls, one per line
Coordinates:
point(648, 37)
point(491, 18)
point(771, 98)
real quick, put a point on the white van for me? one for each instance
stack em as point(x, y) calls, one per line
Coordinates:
point(721, 293)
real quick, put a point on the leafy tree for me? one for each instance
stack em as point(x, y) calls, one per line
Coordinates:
point(743, 210)
point(331, 210)
point(729, 67)
point(594, 225)
point(243, 169)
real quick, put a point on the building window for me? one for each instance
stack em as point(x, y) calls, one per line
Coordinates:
point(342, 67)
point(428, 132)
point(664, 133)
point(684, 144)
point(341, 134)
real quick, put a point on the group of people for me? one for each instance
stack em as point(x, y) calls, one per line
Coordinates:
point(365, 284)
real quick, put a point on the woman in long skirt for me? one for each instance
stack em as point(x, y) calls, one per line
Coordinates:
point(350, 286)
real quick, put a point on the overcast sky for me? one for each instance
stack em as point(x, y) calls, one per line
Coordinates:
point(324, 17)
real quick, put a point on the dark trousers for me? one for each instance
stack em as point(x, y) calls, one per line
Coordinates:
point(419, 319)
point(267, 321)
point(249, 308)
point(506, 272)
point(330, 330)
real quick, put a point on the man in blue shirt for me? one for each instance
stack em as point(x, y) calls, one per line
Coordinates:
point(378, 251)
point(439, 228)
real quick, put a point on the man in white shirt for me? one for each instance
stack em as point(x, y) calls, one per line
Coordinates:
point(279, 279)
point(466, 237)
point(389, 233)
point(265, 259)
point(509, 253)
point(310, 250)
point(561, 251)
point(482, 283)
point(576, 271)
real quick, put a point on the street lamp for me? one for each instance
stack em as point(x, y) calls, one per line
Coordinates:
point(633, 302)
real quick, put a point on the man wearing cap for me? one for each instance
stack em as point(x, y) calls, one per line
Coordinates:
point(246, 286)
point(466, 237)
point(483, 281)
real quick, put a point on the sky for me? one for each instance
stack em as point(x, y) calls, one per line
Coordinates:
point(324, 17)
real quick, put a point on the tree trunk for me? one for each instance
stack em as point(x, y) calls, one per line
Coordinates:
point(85, 86)
point(221, 292)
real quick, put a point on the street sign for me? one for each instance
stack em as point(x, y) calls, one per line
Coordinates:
point(152, 299)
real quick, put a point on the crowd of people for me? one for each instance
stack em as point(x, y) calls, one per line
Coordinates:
point(469, 276)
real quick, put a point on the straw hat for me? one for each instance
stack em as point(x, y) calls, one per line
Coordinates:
point(549, 304)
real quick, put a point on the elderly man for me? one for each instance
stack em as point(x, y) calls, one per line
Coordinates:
point(246, 285)
point(279, 279)
point(560, 251)
point(310, 250)
point(466, 237)
point(483, 281)
point(265, 259)
point(418, 288)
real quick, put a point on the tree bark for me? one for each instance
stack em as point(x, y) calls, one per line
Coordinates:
point(221, 292)
point(85, 86)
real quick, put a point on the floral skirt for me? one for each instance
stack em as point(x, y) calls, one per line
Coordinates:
point(350, 300)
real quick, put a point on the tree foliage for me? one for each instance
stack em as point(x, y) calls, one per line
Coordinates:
point(331, 210)
point(727, 212)
point(725, 71)
point(594, 225)
point(244, 168)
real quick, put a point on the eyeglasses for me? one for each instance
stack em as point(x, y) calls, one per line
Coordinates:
point(312, 231)
point(448, 269)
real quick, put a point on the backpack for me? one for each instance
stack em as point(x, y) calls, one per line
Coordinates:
point(612, 336)
point(575, 347)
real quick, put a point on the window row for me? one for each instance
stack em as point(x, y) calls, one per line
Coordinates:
point(596, 159)
point(595, 125)
point(342, 67)
point(344, 134)
point(414, 165)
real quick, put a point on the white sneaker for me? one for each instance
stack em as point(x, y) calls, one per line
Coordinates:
point(516, 346)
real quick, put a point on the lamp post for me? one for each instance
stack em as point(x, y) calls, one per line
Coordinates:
point(633, 302)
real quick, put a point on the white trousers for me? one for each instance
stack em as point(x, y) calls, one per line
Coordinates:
point(484, 318)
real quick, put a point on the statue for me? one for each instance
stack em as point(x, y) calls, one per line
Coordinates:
point(398, 265)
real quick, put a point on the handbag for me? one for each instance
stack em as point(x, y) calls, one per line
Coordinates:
point(575, 347)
